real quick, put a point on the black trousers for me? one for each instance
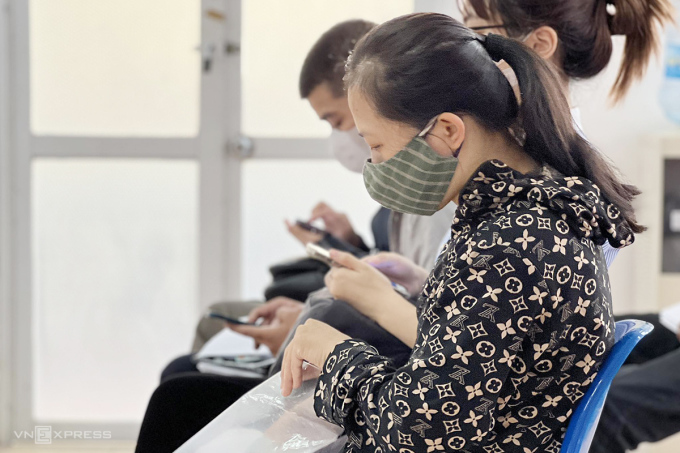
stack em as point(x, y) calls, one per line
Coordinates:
point(181, 365)
point(183, 404)
point(643, 404)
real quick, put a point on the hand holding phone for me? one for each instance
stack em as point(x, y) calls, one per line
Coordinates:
point(235, 321)
point(401, 290)
point(321, 254)
point(309, 227)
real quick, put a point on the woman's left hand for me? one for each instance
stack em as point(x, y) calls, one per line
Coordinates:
point(358, 283)
point(313, 343)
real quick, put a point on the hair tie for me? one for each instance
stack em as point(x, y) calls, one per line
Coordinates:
point(614, 26)
point(611, 8)
point(494, 45)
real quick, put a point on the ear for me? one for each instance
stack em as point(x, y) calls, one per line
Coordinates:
point(447, 135)
point(544, 41)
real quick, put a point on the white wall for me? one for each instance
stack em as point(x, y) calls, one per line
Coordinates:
point(275, 190)
point(620, 132)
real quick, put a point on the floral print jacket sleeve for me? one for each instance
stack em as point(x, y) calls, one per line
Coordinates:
point(514, 322)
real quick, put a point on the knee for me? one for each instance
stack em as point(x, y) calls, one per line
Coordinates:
point(182, 364)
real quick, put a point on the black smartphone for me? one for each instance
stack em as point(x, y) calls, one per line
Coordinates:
point(309, 227)
point(228, 319)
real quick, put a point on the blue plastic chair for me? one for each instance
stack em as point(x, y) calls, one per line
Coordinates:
point(584, 422)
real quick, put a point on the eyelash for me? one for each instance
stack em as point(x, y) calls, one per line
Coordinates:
point(376, 148)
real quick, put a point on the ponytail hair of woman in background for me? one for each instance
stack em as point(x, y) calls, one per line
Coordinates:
point(585, 29)
point(515, 319)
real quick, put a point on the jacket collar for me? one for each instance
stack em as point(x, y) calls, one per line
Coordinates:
point(496, 189)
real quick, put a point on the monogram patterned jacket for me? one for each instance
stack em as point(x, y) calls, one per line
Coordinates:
point(514, 323)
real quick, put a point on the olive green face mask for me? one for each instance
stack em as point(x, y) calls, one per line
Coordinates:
point(415, 180)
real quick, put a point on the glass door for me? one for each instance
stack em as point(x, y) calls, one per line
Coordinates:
point(120, 164)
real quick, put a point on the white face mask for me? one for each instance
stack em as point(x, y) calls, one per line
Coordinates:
point(350, 149)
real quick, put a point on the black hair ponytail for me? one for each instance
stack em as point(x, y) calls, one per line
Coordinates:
point(545, 116)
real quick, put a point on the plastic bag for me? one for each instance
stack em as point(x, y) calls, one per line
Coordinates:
point(263, 421)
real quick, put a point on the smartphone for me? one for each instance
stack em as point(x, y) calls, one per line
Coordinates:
point(320, 253)
point(309, 227)
point(306, 364)
point(228, 319)
point(401, 290)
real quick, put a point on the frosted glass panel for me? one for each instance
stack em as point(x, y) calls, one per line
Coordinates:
point(114, 282)
point(115, 67)
point(276, 38)
point(274, 190)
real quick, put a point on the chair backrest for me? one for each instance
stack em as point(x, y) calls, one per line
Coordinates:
point(587, 415)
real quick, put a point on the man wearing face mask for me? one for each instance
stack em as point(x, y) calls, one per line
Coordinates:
point(415, 237)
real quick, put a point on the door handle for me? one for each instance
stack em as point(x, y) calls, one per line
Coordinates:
point(242, 147)
point(207, 55)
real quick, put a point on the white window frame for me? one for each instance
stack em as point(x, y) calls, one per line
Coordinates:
point(5, 224)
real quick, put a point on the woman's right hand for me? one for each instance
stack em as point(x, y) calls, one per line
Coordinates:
point(371, 293)
point(400, 269)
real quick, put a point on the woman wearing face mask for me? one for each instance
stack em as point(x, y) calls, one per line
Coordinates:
point(575, 36)
point(510, 327)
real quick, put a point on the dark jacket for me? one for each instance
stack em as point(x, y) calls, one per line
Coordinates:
point(514, 322)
